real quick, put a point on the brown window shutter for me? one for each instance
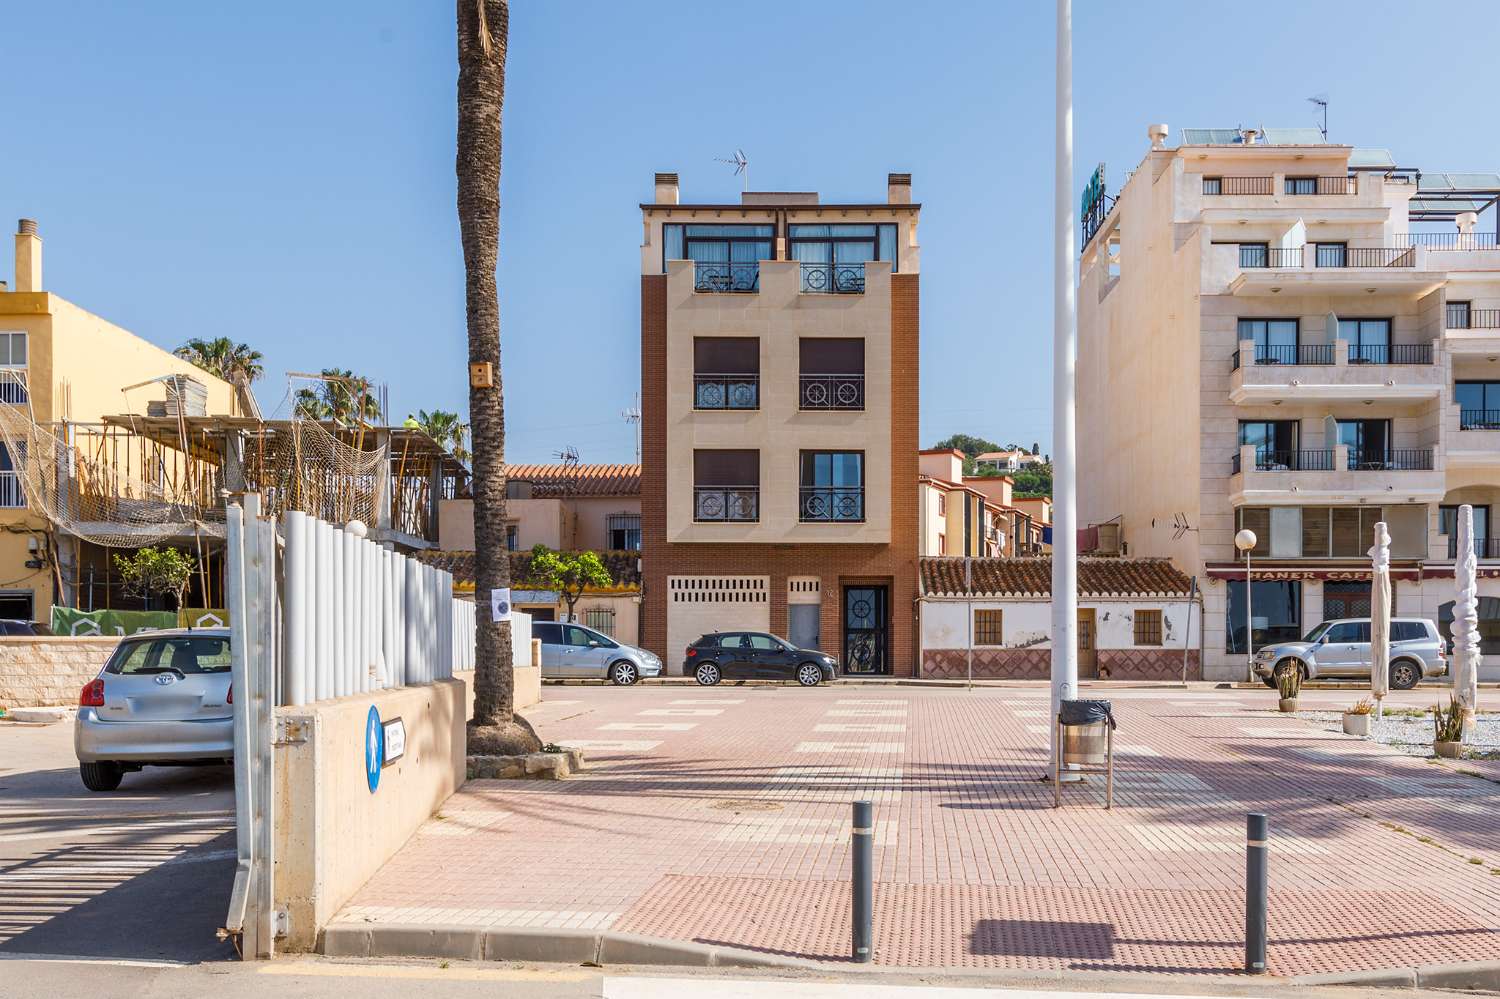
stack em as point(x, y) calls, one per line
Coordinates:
point(832, 355)
point(726, 355)
point(726, 468)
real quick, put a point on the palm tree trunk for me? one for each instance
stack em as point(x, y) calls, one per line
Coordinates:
point(483, 27)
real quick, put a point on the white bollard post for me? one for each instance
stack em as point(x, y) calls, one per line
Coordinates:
point(322, 613)
point(336, 612)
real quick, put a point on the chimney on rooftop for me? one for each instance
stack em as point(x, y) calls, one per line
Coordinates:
point(898, 189)
point(666, 189)
point(1158, 136)
point(1249, 136)
point(28, 256)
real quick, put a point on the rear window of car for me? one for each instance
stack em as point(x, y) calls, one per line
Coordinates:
point(187, 655)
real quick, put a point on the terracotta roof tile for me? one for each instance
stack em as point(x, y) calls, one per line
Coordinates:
point(578, 480)
point(1032, 577)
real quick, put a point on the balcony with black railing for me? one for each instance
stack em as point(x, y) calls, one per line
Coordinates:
point(833, 278)
point(726, 504)
point(1460, 317)
point(1294, 353)
point(1239, 185)
point(739, 277)
point(1390, 353)
point(831, 392)
point(1479, 419)
point(1330, 255)
point(1276, 257)
point(1485, 548)
point(735, 391)
point(1452, 240)
point(1408, 459)
point(832, 503)
point(1270, 460)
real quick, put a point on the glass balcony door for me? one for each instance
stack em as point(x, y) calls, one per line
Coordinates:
point(1369, 340)
point(1275, 340)
point(1478, 405)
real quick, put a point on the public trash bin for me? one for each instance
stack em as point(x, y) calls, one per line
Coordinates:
point(1086, 745)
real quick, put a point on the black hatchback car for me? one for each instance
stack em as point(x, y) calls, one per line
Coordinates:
point(755, 655)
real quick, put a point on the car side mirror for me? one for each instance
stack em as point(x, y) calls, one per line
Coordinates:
point(593, 643)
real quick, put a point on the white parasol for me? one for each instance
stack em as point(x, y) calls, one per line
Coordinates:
point(1466, 622)
point(1380, 618)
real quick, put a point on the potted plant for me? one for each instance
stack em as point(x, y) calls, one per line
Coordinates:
point(1289, 685)
point(1448, 729)
point(1357, 718)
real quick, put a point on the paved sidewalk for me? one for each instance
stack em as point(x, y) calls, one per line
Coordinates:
point(721, 816)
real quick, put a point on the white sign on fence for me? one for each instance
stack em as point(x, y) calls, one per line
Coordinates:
point(395, 741)
point(500, 604)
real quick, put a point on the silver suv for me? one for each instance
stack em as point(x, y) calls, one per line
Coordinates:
point(1341, 650)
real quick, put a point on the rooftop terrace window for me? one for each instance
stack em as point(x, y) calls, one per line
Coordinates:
point(728, 256)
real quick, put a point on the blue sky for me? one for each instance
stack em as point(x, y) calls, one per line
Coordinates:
point(282, 173)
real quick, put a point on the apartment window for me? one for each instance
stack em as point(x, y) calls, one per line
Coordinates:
point(601, 619)
point(1331, 254)
point(1255, 254)
point(942, 544)
point(1338, 531)
point(512, 537)
point(726, 485)
point(1302, 185)
point(942, 504)
point(988, 627)
point(1460, 314)
point(726, 372)
point(1258, 520)
point(1448, 524)
point(833, 256)
point(1275, 340)
point(832, 373)
point(1275, 442)
point(833, 486)
point(1213, 185)
point(1369, 442)
point(1148, 627)
point(624, 532)
point(1478, 405)
point(1369, 340)
point(13, 359)
point(727, 257)
point(12, 495)
point(1277, 607)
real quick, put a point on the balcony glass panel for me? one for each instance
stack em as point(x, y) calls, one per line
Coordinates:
point(1478, 405)
point(832, 486)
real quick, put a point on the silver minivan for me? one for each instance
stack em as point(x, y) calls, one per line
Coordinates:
point(162, 699)
point(1340, 649)
point(571, 651)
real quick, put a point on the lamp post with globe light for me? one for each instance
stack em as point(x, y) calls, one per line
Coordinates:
point(1244, 541)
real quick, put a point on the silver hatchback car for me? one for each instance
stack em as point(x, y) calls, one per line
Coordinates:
point(162, 699)
point(1341, 650)
point(573, 651)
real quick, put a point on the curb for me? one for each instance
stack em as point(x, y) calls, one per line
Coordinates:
point(38, 716)
point(849, 681)
point(558, 946)
point(1475, 976)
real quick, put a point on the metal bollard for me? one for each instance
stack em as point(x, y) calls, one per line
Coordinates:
point(863, 850)
point(1256, 884)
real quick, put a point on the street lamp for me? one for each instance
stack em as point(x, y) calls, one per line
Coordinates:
point(1244, 541)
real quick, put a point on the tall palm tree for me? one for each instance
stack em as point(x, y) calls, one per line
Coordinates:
point(234, 362)
point(483, 33)
point(342, 396)
point(444, 427)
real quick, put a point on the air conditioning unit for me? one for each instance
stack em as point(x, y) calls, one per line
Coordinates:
point(1109, 539)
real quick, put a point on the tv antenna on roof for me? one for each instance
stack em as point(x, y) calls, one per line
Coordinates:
point(1322, 102)
point(632, 416)
point(1180, 525)
point(740, 163)
point(568, 456)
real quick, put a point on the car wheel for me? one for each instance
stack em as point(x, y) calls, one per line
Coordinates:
point(624, 674)
point(1269, 681)
point(101, 776)
point(1404, 674)
point(809, 675)
point(707, 674)
point(1286, 665)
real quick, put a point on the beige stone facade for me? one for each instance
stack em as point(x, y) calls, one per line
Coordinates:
point(1276, 335)
point(40, 672)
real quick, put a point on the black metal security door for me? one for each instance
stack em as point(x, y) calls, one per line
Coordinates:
point(866, 630)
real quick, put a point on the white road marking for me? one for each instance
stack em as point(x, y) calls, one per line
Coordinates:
point(867, 713)
point(708, 700)
point(648, 726)
point(850, 747)
point(621, 744)
point(803, 831)
point(857, 727)
point(1282, 733)
point(872, 700)
point(680, 712)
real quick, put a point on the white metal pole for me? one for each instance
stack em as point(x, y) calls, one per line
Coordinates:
point(1064, 356)
point(324, 623)
point(295, 606)
point(1249, 625)
point(969, 625)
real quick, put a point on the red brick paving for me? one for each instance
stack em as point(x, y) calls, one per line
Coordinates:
point(725, 832)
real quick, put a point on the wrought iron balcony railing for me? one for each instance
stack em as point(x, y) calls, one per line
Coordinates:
point(1280, 257)
point(1483, 547)
point(839, 503)
point(1451, 240)
point(735, 504)
point(832, 392)
point(726, 391)
point(1365, 256)
point(1289, 461)
point(714, 276)
point(1394, 460)
point(1461, 317)
point(833, 279)
point(1239, 185)
point(1479, 419)
point(1390, 353)
point(1297, 353)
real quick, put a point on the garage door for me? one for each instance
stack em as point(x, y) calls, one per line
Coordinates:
point(700, 604)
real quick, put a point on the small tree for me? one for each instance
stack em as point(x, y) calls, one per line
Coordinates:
point(569, 573)
point(155, 570)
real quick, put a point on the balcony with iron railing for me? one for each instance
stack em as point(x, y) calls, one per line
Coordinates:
point(1479, 419)
point(845, 392)
point(832, 278)
point(732, 391)
point(1334, 475)
point(1290, 186)
point(1459, 316)
point(12, 495)
point(1255, 269)
point(1334, 372)
point(1451, 241)
point(1484, 548)
point(726, 277)
point(832, 503)
point(13, 386)
point(726, 504)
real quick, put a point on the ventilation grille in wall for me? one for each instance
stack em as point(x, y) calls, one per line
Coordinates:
point(719, 589)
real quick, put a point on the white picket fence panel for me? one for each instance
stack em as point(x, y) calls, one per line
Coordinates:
point(359, 617)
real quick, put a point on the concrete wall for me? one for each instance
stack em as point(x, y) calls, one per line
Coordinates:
point(332, 831)
point(39, 672)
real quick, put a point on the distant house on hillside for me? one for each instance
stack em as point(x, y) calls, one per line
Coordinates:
point(1007, 461)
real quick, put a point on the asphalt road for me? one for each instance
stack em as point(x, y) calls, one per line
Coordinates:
point(143, 872)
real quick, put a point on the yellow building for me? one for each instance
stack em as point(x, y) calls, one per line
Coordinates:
point(69, 367)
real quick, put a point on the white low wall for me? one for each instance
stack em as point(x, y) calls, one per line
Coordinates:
point(332, 832)
point(44, 671)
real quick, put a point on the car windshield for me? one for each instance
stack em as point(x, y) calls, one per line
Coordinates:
point(1317, 633)
point(179, 654)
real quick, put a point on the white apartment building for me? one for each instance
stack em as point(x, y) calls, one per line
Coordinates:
point(1302, 338)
